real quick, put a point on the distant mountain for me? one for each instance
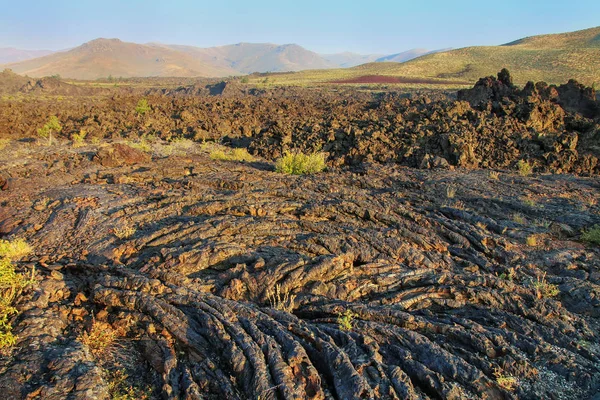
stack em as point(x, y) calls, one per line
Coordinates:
point(347, 59)
point(553, 58)
point(10, 54)
point(407, 55)
point(256, 57)
point(103, 57)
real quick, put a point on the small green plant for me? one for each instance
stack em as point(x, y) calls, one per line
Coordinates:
point(224, 154)
point(592, 235)
point(78, 138)
point(280, 300)
point(52, 126)
point(509, 276)
point(345, 320)
point(518, 218)
point(505, 381)
point(532, 240)
point(244, 79)
point(299, 163)
point(543, 289)
point(529, 202)
point(142, 107)
point(524, 168)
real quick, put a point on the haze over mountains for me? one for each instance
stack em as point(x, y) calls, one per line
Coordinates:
point(10, 54)
point(103, 57)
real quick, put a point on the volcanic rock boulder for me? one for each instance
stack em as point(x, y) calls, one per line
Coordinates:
point(120, 154)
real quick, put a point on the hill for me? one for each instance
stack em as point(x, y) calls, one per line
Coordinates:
point(552, 58)
point(348, 59)
point(256, 57)
point(103, 57)
point(10, 54)
point(404, 56)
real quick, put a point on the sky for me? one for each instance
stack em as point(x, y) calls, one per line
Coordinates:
point(365, 26)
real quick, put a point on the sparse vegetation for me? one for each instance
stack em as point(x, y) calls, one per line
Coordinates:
point(532, 240)
point(524, 168)
point(142, 107)
point(4, 143)
point(450, 191)
point(518, 218)
point(78, 138)
point(119, 389)
point(11, 285)
point(142, 145)
point(124, 232)
point(544, 289)
point(281, 300)
point(592, 235)
point(505, 381)
point(52, 126)
point(345, 320)
point(297, 163)
point(509, 276)
point(225, 154)
point(15, 249)
point(495, 175)
point(99, 337)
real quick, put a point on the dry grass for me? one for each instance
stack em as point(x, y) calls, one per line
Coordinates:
point(450, 191)
point(100, 337)
point(495, 175)
point(124, 232)
point(505, 381)
point(280, 300)
point(14, 250)
point(119, 389)
point(4, 143)
point(225, 154)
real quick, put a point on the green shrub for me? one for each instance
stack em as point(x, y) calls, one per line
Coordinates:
point(592, 235)
point(53, 125)
point(524, 167)
point(11, 284)
point(142, 107)
point(299, 163)
point(224, 154)
point(78, 138)
point(345, 320)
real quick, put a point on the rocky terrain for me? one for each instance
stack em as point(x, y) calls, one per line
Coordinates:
point(426, 262)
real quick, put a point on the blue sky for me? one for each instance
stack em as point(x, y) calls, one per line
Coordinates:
point(323, 26)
